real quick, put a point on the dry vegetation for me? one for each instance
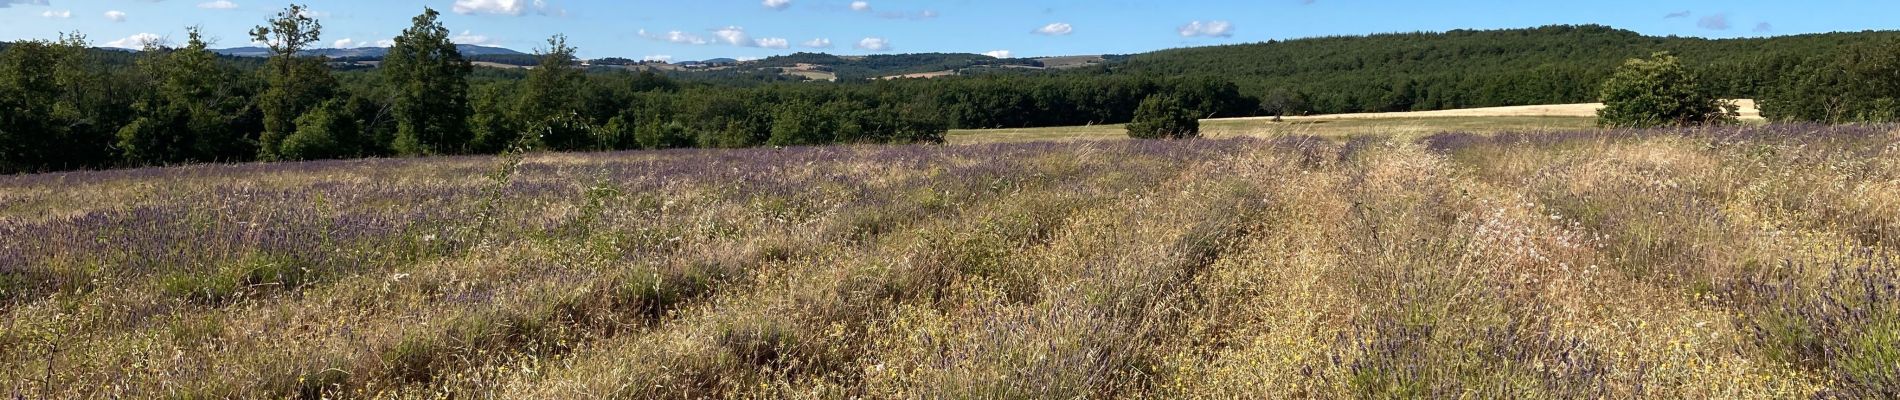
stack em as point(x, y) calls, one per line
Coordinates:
point(1518, 119)
point(1739, 262)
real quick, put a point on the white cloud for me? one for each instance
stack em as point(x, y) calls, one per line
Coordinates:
point(218, 5)
point(777, 4)
point(860, 6)
point(386, 43)
point(1208, 29)
point(749, 59)
point(997, 53)
point(467, 37)
point(115, 16)
point(819, 43)
point(1055, 29)
point(732, 35)
point(10, 3)
point(658, 57)
point(874, 44)
point(675, 37)
point(346, 43)
point(136, 41)
point(500, 7)
point(736, 36)
point(61, 14)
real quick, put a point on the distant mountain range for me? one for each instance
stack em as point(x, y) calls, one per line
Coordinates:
point(364, 52)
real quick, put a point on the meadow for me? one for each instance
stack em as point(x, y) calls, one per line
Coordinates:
point(1733, 262)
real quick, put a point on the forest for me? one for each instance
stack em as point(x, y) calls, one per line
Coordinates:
point(1485, 68)
point(70, 106)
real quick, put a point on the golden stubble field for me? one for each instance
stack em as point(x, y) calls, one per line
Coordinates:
point(1523, 119)
point(1741, 262)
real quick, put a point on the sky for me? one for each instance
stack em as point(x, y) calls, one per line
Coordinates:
point(681, 30)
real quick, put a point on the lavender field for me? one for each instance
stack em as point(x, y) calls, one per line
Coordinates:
point(1741, 262)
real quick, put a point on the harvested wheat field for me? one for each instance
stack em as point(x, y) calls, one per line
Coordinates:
point(1745, 107)
point(1743, 262)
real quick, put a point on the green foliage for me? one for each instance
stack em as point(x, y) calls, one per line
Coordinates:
point(1477, 68)
point(55, 108)
point(296, 83)
point(1164, 117)
point(328, 131)
point(548, 107)
point(801, 123)
point(493, 128)
point(618, 133)
point(1280, 103)
point(670, 135)
point(225, 283)
point(70, 107)
point(192, 114)
point(428, 79)
point(1657, 92)
point(1859, 84)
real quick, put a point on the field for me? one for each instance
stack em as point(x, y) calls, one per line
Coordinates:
point(1524, 119)
point(1742, 262)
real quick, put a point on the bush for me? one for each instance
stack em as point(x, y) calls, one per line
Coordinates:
point(618, 134)
point(329, 131)
point(1164, 117)
point(655, 135)
point(802, 123)
point(1657, 92)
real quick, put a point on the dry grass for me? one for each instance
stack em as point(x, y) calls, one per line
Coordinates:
point(1336, 129)
point(1404, 125)
point(1747, 262)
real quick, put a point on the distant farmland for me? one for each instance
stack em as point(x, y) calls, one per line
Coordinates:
point(1735, 262)
point(1536, 118)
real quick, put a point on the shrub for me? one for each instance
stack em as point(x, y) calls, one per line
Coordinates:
point(1164, 117)
point(617, 134)
point(670, 135)
point(1658, 91)
point(801, 123)
point(329, 131)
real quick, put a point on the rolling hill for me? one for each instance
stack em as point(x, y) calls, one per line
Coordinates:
point(365, 52)
point(1479, 68)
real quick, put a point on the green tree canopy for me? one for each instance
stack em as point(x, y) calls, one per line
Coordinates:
point(296, 83)
point(1164, 116)
point(1658, 91)
point(190, 113)
point(428, 81)
point(1860, 84)
point(549, 104)
point(55, 111)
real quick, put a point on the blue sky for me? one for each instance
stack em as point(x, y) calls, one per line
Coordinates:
point(700, 29)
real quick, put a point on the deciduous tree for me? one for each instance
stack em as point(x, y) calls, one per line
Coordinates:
point(1658, 91)
point(429, 83)
point(296, 83)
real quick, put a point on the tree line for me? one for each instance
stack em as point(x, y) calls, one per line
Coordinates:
point(1480, 68)
point(68, 106)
